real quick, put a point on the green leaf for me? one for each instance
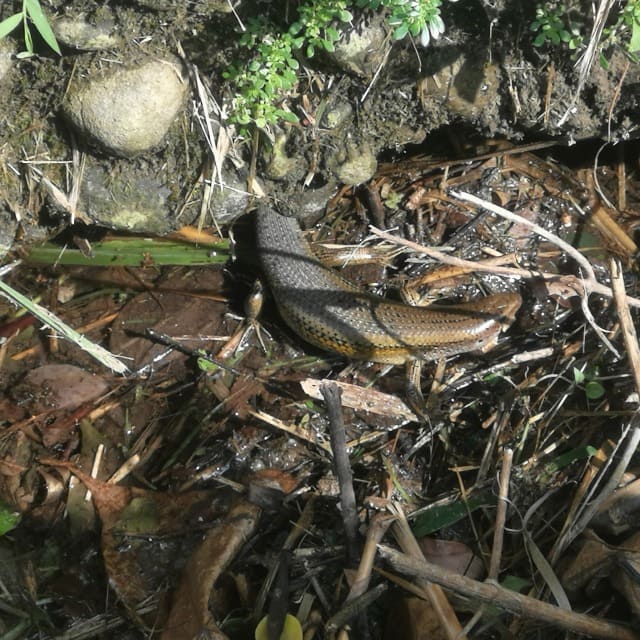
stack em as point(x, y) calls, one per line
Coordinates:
point(204, 364)
point(8, 25)
point(42, 24)
point(594, 390)
point(289, 116)
point(579, 453)
point(446, 515)
point(415, 28)
point(135, 251)
point(28, 42)
point(634, 43)
point(578, 376)
point(401, 31)
point(332, 34)
point(328, 45)
point(8, 519)
point(515, 583)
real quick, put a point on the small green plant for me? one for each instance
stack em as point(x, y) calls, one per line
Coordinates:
point(263, 84)
point(9, 519)
point(418, 18)
point(630, 17)
point(315, 24)
point(589, 380)
point(552, 28)
point(625, 32)
point(31, 14)
point(265, 81)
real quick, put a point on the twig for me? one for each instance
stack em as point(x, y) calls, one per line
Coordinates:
point(470, 265)
point(355, 608)
point(437, 598)
point(589, 54)
point(331, 393)
point(377, 528)
point(297, 531)
point(589, 280)
point(572, 282)
point(627, 327)
point(593, 506)
point(499, 424)
point(501, 513)
point(514, 217)
point(506, 599)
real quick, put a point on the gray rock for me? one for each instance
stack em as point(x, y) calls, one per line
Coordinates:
point(78, 33)
point(199, 6)
point(362, 49)
point(468, 87)
point(337, 115)
point(359, 165)
point(6, 57)
point(126, 200)
point(130, 110)
point(8, 229)
point(279, 165)
point(311, 205)
point(230, 201)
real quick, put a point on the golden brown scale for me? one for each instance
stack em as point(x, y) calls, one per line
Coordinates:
point(332, 313)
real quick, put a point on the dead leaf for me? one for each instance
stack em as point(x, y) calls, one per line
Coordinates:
point(183, 313)
point(190, 614)
point(411, 618)
point(59, 386)
point(452, 555)
point(144, 533)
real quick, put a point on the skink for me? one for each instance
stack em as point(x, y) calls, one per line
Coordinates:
point(334, 314)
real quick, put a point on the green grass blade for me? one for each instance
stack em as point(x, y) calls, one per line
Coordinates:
point(8, 25)
point(132, 252)
point(28, 42)
point(34, 10)
point(62, 329)
point(446, 515)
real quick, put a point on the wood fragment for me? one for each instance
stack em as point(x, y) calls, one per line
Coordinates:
point(506, 599)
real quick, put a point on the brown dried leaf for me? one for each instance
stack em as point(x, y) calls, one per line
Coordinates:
point(184, 312)
point(452, 555)
point(60, 386)
point(190, 614)
point(145, 532)
point(413, 619)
